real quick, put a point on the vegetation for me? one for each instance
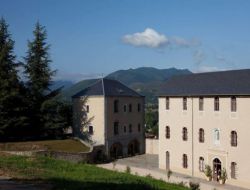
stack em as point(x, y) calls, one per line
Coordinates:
point(194, 186)
point(208, 172)
point(29, 107)
point(151, 120)
point(65, 175)
point(67, 145)
point(223, 176)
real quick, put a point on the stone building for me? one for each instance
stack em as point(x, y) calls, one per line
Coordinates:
point(116, 115)
point(204, 119)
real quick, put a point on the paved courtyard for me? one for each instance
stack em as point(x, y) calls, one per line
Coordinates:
point(148, 164)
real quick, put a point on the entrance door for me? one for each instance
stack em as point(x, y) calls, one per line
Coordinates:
point(167, 161)
point(216, 169)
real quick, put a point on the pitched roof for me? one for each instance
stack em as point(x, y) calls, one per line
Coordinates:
point(234, 82)
point(107, 87)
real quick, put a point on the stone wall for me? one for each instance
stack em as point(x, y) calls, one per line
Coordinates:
point(152, 146)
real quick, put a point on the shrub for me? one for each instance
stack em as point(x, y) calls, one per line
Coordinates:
point(128, 170)
point(194, 186)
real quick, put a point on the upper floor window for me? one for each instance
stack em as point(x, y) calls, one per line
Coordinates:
point(124, 129)
point(87, 108)
point(216, 104)
point(138, 107)
point(201, 135)
point(116, 128)
point(130, 107)
point(130, 128)
point(167, 132)
point(116, 106)
point(233, 104)
point(139, 127)
point(201, 164)
point(201, 104)
point(167, 103)
point(184, 134)
point(233, 170)
point(125, 108)
point(216, 136)
point(233, 138)
point(184, 103)
point(184, 161)
point(91, 131)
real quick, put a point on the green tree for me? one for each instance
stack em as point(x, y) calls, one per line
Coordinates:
point(46, 112)
point(11, 107)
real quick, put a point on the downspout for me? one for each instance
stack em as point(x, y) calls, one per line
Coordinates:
point(192, 138)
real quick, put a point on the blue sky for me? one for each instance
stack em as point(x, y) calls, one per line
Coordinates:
point(91, 37)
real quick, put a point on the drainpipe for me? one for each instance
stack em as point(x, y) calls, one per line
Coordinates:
point(192, 137)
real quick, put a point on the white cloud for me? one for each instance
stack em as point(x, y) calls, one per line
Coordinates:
point(149, 38)
point(204, 68)
point(152, 39)
point(75, 77)
point(199, 56)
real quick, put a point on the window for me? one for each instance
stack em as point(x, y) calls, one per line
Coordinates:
point(184, 134)
point(91, 130)
point(130, 107)
point(216, 104)
point(167, 131)
point(201, 104)
point(167, 103)
point(125, 129)
point(116, 128)
point(138, 107)
point(233, 170)
point(184, 103)
point(216, 136)
point(233, 104)
point(201, 135)
point(130, 128)
point(125, 108)
point(116, 106)
point(184, 161)
point(139, 127)
point(233, 138)
point(201, 164)
point(87, 108)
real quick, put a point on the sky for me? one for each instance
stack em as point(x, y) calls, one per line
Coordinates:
point(92, 38)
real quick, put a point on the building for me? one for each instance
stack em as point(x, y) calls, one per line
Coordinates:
point(116, 115)
point(204, 119)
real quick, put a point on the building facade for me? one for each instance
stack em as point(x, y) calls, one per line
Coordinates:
point(204, 120)
point(115, 115)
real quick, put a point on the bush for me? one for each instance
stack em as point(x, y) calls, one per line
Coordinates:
point(128, 170)
point(194, 186)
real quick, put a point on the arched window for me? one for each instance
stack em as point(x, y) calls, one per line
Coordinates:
point(184, 134)
point(216, 104)
point(216, 136)
point(233, 104)
point(116, 106)
point(116, 128)
point(167, 103)
point(233, 170)
point(201, 103)
point(130, 107)
point(201, 135)
point(184, 103)
point(201, 164)
point(233, 138)
point(184, 161)
point(167, 132)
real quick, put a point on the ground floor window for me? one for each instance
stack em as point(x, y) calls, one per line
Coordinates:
point(201, 164)
point(184, 161)
point(233, 170)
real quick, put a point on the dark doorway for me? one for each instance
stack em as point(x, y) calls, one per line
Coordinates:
point(216, 169)
point(116, 150)
point(133, 148)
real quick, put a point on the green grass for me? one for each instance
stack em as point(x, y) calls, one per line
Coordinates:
point(68, 176)
point(67, 145)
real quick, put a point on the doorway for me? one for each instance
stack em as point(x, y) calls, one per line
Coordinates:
point(216, 169)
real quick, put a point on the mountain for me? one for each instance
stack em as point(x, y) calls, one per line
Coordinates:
point(145, 80)
point(61, 83)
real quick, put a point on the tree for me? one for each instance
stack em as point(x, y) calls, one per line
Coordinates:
point(45, 110)
point(11, 107)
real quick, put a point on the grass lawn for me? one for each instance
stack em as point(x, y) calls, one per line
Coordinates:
point(68, 176)
point(67, 145)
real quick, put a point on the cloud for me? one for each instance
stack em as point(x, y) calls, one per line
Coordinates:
point(149, 38)
point(199, 56)
point(204, 68)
